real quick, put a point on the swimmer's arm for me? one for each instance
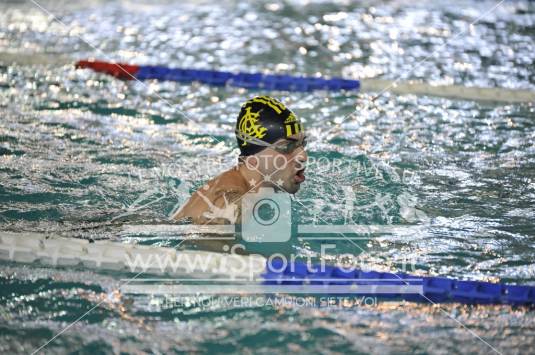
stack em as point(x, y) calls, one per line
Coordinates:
point(232, 197)
point(201, 213)
point(191, 209)
point(226, 209)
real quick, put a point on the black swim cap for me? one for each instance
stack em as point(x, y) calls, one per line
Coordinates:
point(267, 119)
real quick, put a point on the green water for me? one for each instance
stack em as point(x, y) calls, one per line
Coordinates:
point(78, 148)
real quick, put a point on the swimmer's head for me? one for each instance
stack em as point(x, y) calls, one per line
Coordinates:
point(266, 119)
point(272, 141)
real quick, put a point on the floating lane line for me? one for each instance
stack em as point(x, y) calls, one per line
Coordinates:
point(278, 82)
point(264, 275)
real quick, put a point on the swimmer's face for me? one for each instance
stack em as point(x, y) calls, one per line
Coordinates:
point(285, 162)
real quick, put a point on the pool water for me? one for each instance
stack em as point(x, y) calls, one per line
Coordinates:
point(80, 149)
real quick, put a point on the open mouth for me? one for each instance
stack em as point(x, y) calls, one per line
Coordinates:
point(300, 176)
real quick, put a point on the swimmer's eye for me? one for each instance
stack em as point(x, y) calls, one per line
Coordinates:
point(290, 146)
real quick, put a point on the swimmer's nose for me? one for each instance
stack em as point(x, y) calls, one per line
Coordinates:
point(301, 157)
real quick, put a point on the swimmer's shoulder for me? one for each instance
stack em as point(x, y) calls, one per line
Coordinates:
point(229, 185)
point(230, 181)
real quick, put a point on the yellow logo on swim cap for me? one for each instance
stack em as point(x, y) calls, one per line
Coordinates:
point(290, 119)
point(293, 126)
point(275, 104)
point(249, 125)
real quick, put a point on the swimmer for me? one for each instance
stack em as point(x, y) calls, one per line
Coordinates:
point(272, 144)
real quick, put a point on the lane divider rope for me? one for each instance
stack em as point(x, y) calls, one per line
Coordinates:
point(107, 255)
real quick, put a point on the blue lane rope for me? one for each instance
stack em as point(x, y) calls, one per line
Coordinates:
point(298, 83)
point(220, 78)
point(435, 289)
point(54, 250)
point(246, 80)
